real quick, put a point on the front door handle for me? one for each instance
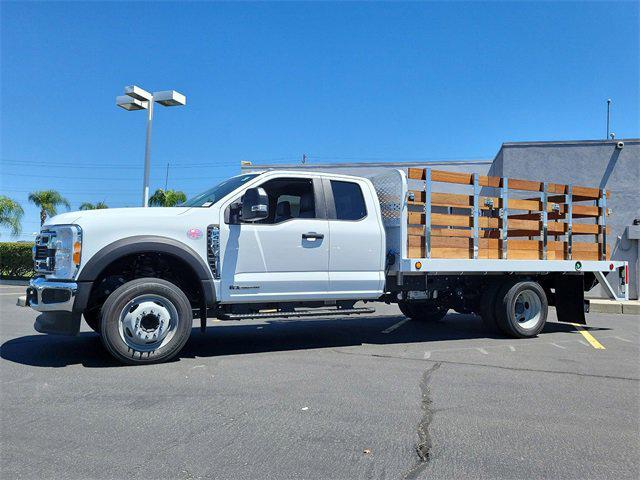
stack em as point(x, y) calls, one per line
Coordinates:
point(312, 236)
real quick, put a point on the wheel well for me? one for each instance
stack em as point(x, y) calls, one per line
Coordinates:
point(146, 264)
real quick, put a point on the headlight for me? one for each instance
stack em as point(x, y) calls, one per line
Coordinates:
point(68, 249)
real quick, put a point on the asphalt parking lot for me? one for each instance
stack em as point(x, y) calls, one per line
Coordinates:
point(352, 398)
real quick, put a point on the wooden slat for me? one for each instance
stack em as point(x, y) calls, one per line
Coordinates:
point(459, 178)
point(496, 253)
point(456, 200)
point(446, 220)
point(486, 253)
point(536, 216)
point(461, 242)
point(515, 204)
point(462, 178)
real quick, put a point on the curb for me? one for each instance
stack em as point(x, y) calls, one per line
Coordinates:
point(632, 307)
point(18, 283)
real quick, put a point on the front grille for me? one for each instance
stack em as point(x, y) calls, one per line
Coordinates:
point(44, 256)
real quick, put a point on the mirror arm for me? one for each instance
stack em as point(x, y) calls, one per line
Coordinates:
point(235, 213)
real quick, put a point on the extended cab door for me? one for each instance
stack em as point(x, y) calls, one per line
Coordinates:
point(356, 249)
point(284, 257)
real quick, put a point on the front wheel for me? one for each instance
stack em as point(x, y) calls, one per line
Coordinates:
point(422, 312)
point(147, 320)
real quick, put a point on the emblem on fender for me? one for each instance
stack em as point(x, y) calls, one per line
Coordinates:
point(194, 233)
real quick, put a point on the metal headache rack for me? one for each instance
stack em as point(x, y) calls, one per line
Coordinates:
point(492, 222)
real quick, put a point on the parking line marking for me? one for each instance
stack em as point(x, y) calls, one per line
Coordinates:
point(559, 346)
point(17, 294)
point(623, 339)
point(590, 338)
point(395, 326)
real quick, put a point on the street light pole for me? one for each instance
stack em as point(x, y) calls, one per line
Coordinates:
point(147, 157)
point(135, 98)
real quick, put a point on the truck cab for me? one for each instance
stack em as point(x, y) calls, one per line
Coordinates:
point(256, 241)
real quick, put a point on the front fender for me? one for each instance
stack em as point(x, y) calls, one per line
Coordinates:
point(150, 244)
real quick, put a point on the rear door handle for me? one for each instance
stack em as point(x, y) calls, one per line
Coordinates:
point(312, 236)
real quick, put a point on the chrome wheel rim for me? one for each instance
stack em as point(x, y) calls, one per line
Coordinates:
point(148, 322)
point(527, 309)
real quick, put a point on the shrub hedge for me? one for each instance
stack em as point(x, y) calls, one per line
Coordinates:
point(16, 260)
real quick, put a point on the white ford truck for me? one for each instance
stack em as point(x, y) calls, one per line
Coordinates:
point(278, 244)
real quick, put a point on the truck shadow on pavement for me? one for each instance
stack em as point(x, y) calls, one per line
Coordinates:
point(237, 338)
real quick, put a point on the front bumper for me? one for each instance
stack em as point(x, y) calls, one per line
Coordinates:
point(61, 304)
point(51, 296)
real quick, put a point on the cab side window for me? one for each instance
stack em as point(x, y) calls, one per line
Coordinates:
point(348, 200)
point(289, 198)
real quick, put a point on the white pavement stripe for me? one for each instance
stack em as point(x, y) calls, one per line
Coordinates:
point(623, 339)
point(395, 326)
point(558, 346)
point(15, 294)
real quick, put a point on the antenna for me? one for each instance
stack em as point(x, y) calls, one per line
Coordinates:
point(304, 158)
point(608, 118)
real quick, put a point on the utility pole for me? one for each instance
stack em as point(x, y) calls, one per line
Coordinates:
point(608, 118)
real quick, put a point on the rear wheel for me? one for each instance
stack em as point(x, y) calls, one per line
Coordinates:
point(147, 320)
point(422, 312)
point(521, 309)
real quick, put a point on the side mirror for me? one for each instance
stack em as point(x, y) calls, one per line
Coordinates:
point(255, 205)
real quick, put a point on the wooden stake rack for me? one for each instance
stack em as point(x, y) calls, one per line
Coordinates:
point(505, 227)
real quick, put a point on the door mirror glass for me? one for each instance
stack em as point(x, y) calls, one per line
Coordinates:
point(255, 205)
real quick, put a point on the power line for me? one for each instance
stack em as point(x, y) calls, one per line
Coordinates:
point(42, 163)
point(69, 177)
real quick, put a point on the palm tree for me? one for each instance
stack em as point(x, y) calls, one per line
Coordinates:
point(48, 201)
point(167, 198)
point(10, 214)
point(93, 206)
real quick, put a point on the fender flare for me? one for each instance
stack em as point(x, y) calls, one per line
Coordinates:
point(149, 244)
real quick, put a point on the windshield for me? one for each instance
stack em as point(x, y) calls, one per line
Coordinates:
point(214, 194)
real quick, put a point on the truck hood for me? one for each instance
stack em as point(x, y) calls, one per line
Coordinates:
point(113, 214)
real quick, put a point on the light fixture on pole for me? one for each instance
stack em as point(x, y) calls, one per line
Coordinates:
point(135, 98)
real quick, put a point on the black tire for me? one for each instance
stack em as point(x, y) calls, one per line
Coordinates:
point(93, 319)
point(422, 312)
point(515, 302)
point(165, 295)
point(488, 307)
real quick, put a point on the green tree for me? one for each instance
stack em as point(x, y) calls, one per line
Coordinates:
point(48, 201)
point(167, 198)
point(93, 206)
point(10, 214)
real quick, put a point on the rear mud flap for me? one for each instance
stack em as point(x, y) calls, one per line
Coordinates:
point(570, 304)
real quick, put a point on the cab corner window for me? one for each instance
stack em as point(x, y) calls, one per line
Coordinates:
point(348, 200)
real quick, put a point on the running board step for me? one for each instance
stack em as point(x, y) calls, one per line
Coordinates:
point(304, 313)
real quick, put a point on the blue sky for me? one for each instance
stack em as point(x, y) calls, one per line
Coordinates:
point(268, 82)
